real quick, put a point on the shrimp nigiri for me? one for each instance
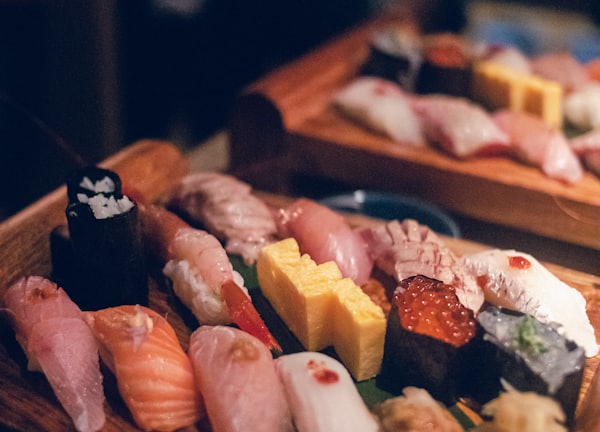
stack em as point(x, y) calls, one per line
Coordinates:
point(50, 329)
point(153, 373)
point(202, 275)
point(236, 374)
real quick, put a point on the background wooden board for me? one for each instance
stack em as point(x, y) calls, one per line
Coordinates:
point(294, 124)
point(26, 400)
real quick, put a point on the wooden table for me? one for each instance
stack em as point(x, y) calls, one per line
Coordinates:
point(26, 400)
point(283, 126)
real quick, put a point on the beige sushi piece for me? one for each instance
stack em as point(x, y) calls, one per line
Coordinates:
point(322, 308)
point(498, 86)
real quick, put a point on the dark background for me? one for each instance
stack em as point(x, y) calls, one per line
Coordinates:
point(104, 73)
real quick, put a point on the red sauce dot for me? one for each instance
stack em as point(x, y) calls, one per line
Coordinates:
point(321, 373)
point(519, 262)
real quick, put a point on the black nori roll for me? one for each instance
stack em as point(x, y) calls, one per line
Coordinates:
point(78, 182)
point(106, 266)
point(528, 355)
point(413, 358)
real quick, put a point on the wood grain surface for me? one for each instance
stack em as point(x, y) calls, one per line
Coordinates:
point(318, 141)
point(26, 400)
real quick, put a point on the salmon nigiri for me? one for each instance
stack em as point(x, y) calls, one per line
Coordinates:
point(153, 373)
point(236, 374)
point(202, 275)
point(50, 329)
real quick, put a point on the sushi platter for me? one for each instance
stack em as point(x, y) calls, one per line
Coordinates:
point(27, 402)
point(288, 114)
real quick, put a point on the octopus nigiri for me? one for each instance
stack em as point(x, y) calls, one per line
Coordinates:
point(235, 373)
point(153, 373)
point(326, 236)
point(202, 275)
point(517, 281)
point(50, 329)
point(322, 395)
point(228, 209)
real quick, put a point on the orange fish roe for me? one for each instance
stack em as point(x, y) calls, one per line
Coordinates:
point(430, 307)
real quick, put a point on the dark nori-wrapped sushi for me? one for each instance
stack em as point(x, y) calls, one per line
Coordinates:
point(528, 355)
point(427, 338)
point(106, 266)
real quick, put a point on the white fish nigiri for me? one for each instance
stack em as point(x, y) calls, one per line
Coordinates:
point(322, 395)
point(50, 329)
point(382, 107)
point(235, 373)
point(518, 281)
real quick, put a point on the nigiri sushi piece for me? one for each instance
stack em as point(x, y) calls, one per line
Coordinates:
point(57, 342)
point(536, 143)
point(407, 248)
point(326, 236)
point(587, 147)
point(235, 373)
point(203, 277)
point(561, 67)
point(322, 395)
point(517, 281)
point(154, 375)
point(228, 209)
point(416, 411)
point(460, 127)
point(381, 106)
point(582, 106)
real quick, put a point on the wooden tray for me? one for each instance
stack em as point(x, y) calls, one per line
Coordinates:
point(287, 116)
point(27, 403)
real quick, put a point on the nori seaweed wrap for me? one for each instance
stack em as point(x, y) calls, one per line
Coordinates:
point(431, 351)
point(107, 263)
point(527, 354)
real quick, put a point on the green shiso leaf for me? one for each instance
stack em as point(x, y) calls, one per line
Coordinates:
point(528, 338)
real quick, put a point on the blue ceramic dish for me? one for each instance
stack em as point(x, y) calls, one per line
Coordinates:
point(389, 206)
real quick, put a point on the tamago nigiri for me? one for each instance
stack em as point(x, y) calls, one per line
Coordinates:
point(153, 373)
point(50, 329)
point(236, 375)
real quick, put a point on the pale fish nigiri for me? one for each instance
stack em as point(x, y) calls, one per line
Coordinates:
point(235, 373)
point(228, 209)
point(460, 127)
point(536, 143)
point(322, 395)
point(153, 373)
point(202, 275)
point(326, 236)
point(381, 106)
point(50, 329)
point(517, 281)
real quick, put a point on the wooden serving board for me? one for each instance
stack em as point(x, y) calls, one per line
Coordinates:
point(287, 116)
point(27, 402)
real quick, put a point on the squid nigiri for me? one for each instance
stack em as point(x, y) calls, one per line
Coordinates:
point(322, 395)
point(235, 373)
point(517, 281)
point(326, 236)
point(202, 275)
point(50, 329)
point(153, 373)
